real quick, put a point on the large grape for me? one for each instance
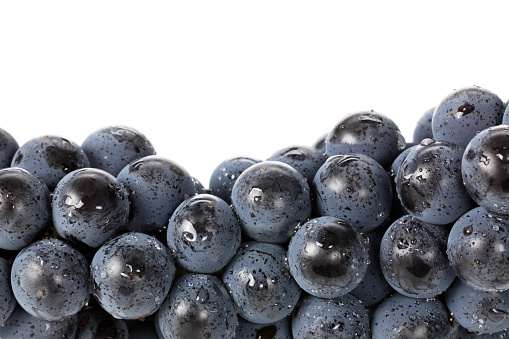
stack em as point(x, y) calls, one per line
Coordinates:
point(271, 198)
point(413, 258)
point(478, 250)
point(50, 279)
point(89, 207)
point(25, 208)
point(464, 112)
point(132, 275)
point(8, 147)
point(204, 233)
point(198, 306)
point(368, 133)
point(342, 317)
point(259, 281)
point(156, 187)
point(485, 169)
point(399, 316)
point(354, 188)
point(112, 148)
point(50, 158)
point(327, 257)
point(429, 183)
point(478, 311)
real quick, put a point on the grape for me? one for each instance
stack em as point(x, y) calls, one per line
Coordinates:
point(464, 112)
point(429, 183)
point(306, 160)
point(112, 148)
point(226, 173)
point(95, 323)
point(132, 275)
point(204, 233)
point(413, 258)
point(198, 306)
point(373, 287)
point(259, 281)
point(485, 169)
point(50, 158)
point(156, 187)
point(8, 147)
point(399, 316)
point(25, 208)
point(368, 133)
point(342, 317)
point(327, 257)
point(50, 279)
point(354, 188)
point(423, 128)
point(89, 207)
point(22, 325)
point(478, 252)
point(270, 199)
point(319, 144)
point(278, 330)
point(7, 300)
point(478, 311)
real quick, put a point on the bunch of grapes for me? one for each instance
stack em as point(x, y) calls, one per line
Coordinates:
point(360, 235)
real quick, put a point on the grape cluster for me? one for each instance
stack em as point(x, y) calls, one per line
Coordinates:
point(361, 235)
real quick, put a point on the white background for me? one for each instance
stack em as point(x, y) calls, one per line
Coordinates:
point(206, 81)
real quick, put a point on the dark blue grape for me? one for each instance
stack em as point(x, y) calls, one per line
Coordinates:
point(373, 287)
point(7, 300)
point(278, 330)
point(25, 208)
point(226, 173)
point(429, 183)
point(156, 187)
point(204, 233)
point(368, 133)
point(8, 147)
point(399, 160)
point(258, 279)
point(89, 207)
point(485, 169)
point(327, 257)
point(355, 188)
point(464, 112)
point(271, 198)
point(342, 317)
point(132, 275)
point(22, 325)
point(413, 258)
point(320, 143)
point(95, 323)
point(399, 316)
point(50, 158)
point(198, 306)
point(423, 128)
point(50, 279)
point(306, 160)
point(478, 311)
point(478, 250)
point(113, 148)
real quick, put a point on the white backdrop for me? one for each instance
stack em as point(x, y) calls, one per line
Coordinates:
point(206, 81)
